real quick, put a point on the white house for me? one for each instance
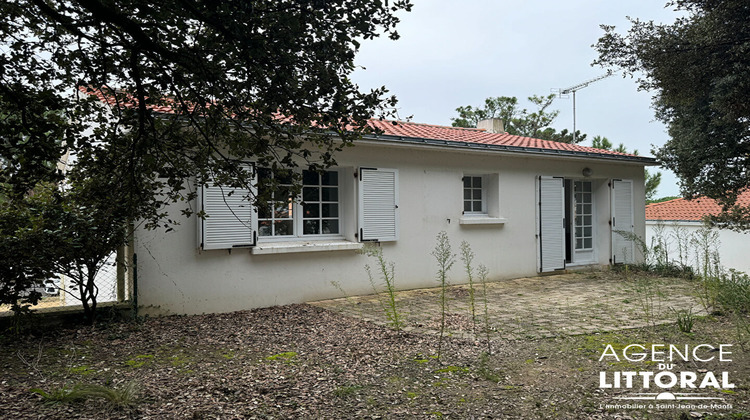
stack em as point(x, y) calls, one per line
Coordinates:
point(526, 206)
point(682, 217)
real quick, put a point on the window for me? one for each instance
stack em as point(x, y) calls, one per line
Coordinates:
point(316, 214)
point(474, 195)
point(583, 215)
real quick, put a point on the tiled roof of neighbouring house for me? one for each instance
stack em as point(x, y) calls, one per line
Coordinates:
point(482, 137)
point(689, 210)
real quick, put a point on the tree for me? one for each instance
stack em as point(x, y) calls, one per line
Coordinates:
point(652, 180)
point(148, 95)
point(517, 121)
point(697, 69)
point(26, 248)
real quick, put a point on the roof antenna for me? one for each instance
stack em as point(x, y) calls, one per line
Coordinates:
point(563, 93)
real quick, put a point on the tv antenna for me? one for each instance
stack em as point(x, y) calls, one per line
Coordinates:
point(563, 93)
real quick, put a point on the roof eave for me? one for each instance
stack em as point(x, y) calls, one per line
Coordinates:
point(646, 161)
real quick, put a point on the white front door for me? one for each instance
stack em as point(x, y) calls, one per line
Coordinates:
point(551, 220)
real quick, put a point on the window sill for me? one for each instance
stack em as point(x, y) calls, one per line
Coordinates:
point(482, 220)
point(304, 246)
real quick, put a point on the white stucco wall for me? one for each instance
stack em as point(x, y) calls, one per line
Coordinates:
point(733, 247)
point(174, 276)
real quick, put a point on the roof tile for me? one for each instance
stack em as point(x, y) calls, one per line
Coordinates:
point(477, 135)
point(689, 210)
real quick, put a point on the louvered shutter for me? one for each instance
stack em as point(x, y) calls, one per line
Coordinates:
point(551, 224)
point(378, 204)
point(231, 220)
point(622, 220)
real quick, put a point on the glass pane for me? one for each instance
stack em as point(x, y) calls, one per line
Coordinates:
point(587, 186)
point(284, 211)
point(579, 243)
point(310, 178)
point(579, 232)
point(587, 231)
point(311, 227)
point(467, 181)
point(284, 177)
point(311, 194)
point(579, 208)
point(283, 227)
point(476, 182)
point(588, 243)
point(330, 178)
point(330, 210)
point(264, 228)
point(467, 205)
point(264, 212)
point(330, 194)
point(477, 194)
point(467, 194)
point(587, 209)
point(264, 173)
point(330, 226)
point(311, 210)
point(587, 220)
point(477, 206)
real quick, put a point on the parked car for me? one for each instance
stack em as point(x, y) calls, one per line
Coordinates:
point(49, 287)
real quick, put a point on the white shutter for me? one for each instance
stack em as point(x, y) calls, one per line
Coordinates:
point(378, 204)
point(230, 220)
point(551, 224)
point(622, 220)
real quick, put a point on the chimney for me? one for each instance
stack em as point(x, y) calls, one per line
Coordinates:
point(492, 125)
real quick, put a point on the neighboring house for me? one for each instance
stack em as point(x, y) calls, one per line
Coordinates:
point(665, 218)
point(526, 206)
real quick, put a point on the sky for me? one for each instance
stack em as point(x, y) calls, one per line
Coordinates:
point(454, 54)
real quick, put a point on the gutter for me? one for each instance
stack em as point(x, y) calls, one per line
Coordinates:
point(420, 141)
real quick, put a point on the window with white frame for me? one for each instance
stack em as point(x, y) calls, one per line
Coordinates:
point(584, 215)
point(317, 213)
point(475, 201)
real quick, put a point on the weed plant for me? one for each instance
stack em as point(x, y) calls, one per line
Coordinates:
point(483, 272)
point(351, 302)
point(685, 320)
point(387, 270)
point(445, 260)
point(467, 257)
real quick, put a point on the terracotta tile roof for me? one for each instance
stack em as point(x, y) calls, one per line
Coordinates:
point(480, 136)
point(410, 130)
point(689, 210)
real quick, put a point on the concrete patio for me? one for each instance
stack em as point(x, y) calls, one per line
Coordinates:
point(546, 306)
